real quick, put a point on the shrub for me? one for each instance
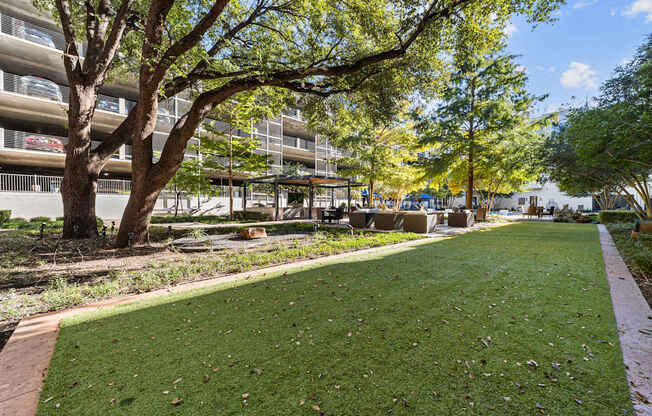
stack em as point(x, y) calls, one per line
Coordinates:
point(99, 223)
point(5, 214)
point(563, 219)
point(59, 219)
point(610, 217)
point(40, 219)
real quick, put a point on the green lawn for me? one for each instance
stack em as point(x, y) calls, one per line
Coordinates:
point(514, 320)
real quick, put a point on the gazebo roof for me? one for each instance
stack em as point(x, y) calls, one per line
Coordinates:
point(305, 180)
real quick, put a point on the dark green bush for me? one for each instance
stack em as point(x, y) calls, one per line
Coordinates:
point(99, 223)
point(563, 219)
point(238, 216)
point(59, 219)
point(40, 219)
point(610, 217)
point(5, 214)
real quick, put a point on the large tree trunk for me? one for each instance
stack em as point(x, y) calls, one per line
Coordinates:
point(79, 186)
point(371, 193)
point(137, 214)
point(231, 166)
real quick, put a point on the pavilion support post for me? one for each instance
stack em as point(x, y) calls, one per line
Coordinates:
point(348, 194)
point(333, 197)
point(311, 197)
point(276, 201)
point(244, 196)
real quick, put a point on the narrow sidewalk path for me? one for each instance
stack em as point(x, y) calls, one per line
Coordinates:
point(634, 320)
point(25, 359)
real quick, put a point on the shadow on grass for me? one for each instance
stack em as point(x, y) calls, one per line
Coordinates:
point(507, 321)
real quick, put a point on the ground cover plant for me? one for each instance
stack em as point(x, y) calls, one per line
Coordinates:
point(510, 321)
point(52, 274)
point(637, 253)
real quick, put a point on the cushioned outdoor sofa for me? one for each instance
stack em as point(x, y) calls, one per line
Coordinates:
point(421, 222)
point(388, 220)
point(362, 218)
point(460, 219)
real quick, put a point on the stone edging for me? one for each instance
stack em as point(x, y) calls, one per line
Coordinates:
point(634, 320)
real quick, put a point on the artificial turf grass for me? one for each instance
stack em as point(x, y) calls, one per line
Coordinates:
point(418, 319)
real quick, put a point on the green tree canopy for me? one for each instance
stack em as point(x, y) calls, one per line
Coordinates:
point(607, 147)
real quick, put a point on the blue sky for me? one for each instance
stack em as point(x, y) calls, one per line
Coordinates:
point(574, 55)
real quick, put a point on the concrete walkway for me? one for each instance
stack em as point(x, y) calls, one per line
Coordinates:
point(190, 225)
point(25, 359)
point(634, 320)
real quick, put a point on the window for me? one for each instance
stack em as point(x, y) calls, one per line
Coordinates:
point(521, 201)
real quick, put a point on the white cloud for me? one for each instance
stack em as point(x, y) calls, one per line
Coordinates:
point(579, 75)
point(510, 29)
point(521, 68)
point(542, 68)
point(638, 7)
point(584, 3)
point(625, 61)
point(613, 11)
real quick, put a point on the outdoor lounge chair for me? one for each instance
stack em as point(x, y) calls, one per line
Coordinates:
point(388, 220)
point(332, 215)
point(420, 222)
point(361, 218)
point(481, 214)
point(532, 211)
point(460, 219)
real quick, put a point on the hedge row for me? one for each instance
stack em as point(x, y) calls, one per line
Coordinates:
point(211, 219)
point(610, 217)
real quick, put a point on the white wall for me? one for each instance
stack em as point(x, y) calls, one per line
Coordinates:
point(110, 207)
point(548, 195)
point(46, 204)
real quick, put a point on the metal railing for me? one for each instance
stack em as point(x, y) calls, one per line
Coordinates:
point(14, 182)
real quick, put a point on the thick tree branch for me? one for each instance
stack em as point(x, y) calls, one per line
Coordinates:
point(71, 54)
point(118, 30)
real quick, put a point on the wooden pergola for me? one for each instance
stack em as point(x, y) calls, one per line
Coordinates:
point(309, 181)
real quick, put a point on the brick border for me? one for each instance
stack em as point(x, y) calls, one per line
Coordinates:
point(634, 320)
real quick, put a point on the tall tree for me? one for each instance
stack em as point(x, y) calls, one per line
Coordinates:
point(214, 50)
point(378, 151)
point(606, 147)
point(485, 98)
point(103, 25)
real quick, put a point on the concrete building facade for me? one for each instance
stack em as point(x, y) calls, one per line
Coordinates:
point(33, 102)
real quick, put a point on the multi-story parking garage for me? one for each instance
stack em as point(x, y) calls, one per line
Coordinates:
point(33, 103)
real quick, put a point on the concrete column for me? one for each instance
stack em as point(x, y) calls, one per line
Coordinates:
point(244, 196)
point(348, 193)
point(122, 106)
point(276, 200)
point(123, 152)
point(311, 196)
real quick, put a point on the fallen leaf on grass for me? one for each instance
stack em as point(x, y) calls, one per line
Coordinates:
point(176, 401)
point(257, 371)
point(245, 396)
point(206, 378)
point(315, 408)
point(177, 380)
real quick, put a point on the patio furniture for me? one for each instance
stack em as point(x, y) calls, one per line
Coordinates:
point(332, 214)
point(531, 211)
point(481, 214)
point(362, 218)
point(388, 220)
point(460, 219)
point(421, 222)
